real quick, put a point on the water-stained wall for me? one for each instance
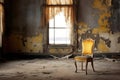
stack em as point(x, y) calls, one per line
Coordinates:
point(24, 32)
point(96, 21)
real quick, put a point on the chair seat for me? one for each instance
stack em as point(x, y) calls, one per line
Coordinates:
point(83, 58)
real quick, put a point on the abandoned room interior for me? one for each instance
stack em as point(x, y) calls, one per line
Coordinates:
point(50, 39)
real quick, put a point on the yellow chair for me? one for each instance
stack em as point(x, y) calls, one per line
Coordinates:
point(87, 54)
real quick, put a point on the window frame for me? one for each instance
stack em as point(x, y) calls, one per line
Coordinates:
point(71, 41)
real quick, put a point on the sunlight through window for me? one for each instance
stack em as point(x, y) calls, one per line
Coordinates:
point(59, 15)
point(59, 31)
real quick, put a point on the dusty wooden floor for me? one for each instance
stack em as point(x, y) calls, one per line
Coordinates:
point(57, 69)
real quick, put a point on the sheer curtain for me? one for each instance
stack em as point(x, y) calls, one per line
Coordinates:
point(56, 6)
point(54, 2)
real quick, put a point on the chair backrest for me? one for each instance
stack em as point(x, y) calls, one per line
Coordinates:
point(87, 47)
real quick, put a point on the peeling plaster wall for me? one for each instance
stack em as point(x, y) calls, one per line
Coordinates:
point(22, 33)
point(17, 44)
point(93, 21)
point(112, 40)
point(22, 16)
point(60, 50)
point(96, 20)
point(86, 14)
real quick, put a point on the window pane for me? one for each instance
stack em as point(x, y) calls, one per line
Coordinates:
point(68, 36)
point(51, 22)
point(62, 36)
point(51, 36)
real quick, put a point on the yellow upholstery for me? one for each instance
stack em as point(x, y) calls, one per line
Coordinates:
point(87, 53)
point(80, 58)
point(87, 46)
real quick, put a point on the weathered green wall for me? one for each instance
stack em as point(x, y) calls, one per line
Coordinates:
point(24, 31)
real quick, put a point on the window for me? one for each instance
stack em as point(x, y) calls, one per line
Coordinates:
point(59, 15)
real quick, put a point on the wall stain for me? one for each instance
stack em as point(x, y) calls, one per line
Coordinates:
point(104, 7)
point(113, 39)
point(102, 47)
point(82, 28)
point(107, 42)
point(62, 50)
point(20, 43)
point(52, 50)
point(103, 19)
point(102, 4)
point(115, 46)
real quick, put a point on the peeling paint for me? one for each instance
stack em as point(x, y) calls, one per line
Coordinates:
point(102, 4)
point(83, 27)
point(102, 46)
point(113, 38)
point(115, 46)
point(52, 50)
point(31, 44)
point(62, 50)
point(34, 43)
point(103, 21)
point(107, 42)
point(82, 31)
point(100, 30)
point(103, 8)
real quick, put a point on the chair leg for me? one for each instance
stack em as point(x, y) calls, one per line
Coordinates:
point(82, 66)
point(75, 66)
point(86, 66)
point(92, 65)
